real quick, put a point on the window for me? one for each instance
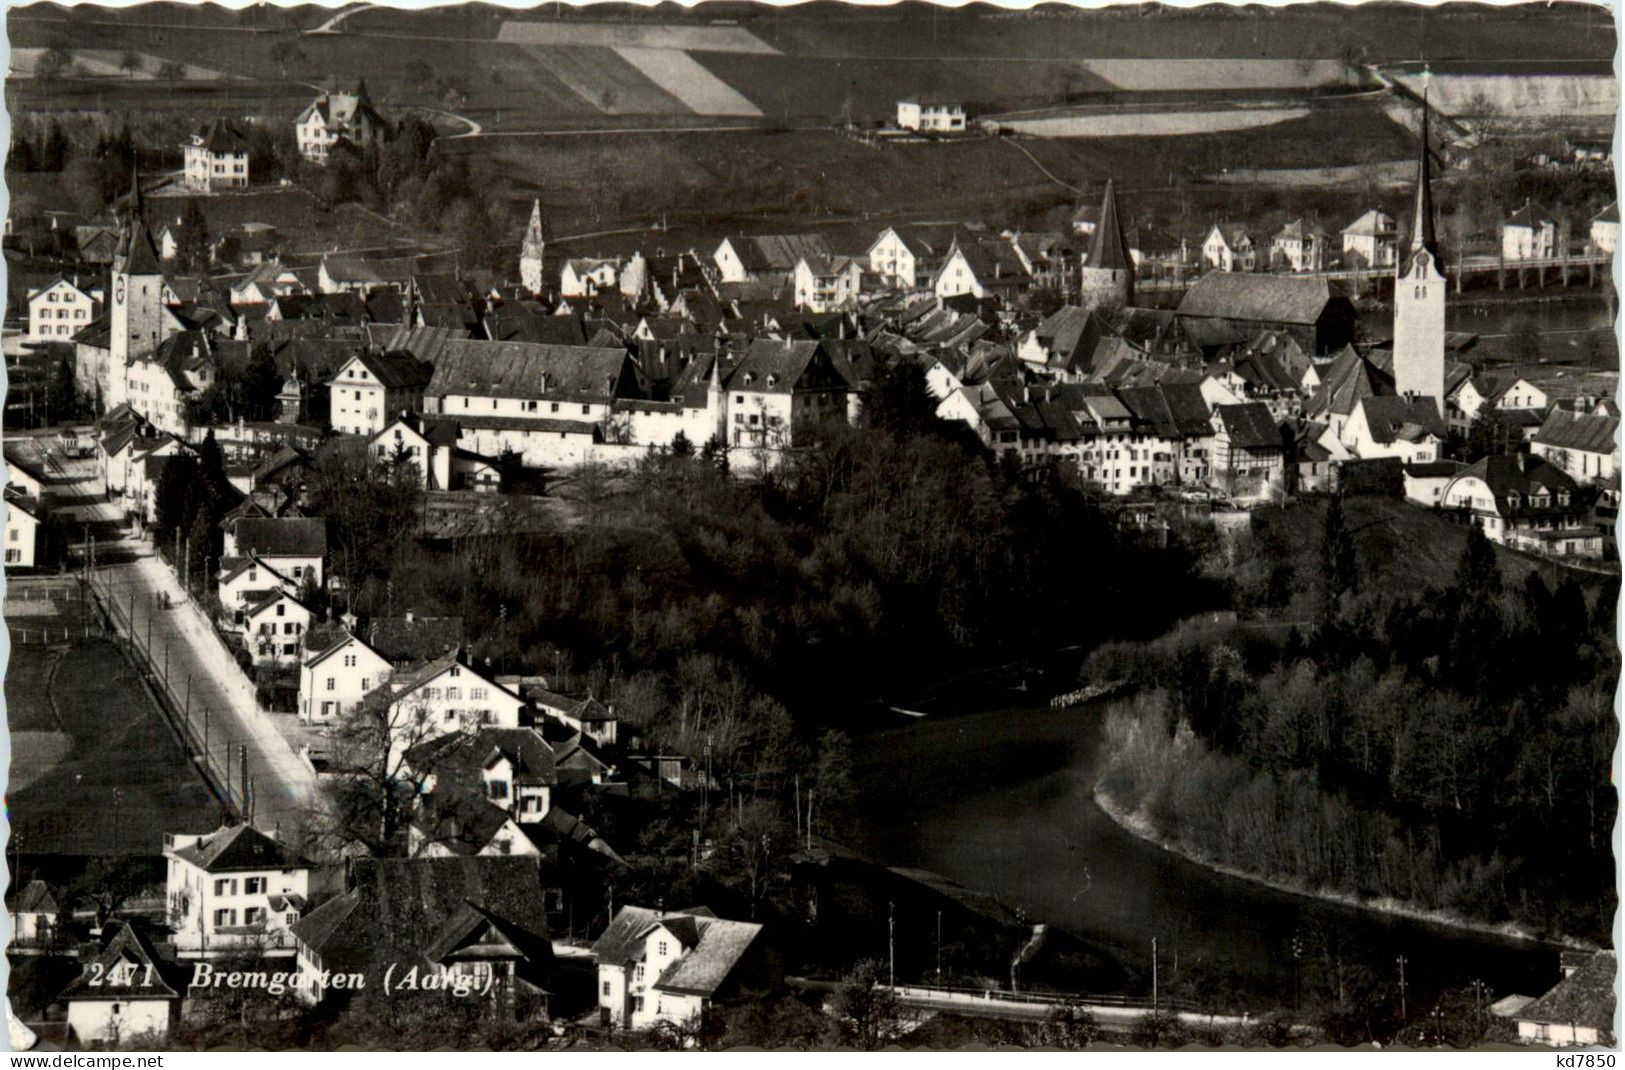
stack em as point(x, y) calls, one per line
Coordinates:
point(225, 887)
point(476, 693)
point(637, 973)
point(254, 886)
point(637, 1004)
point(332, 684)
point(225, 917)
point(349, 661)
point(606, 988)
point(497, 789)
point(454, 694)
point(254, 916)
point(660, 948)
point(586, 410)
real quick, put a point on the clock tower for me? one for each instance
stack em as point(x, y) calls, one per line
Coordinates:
point(136, 319)
point(1419, 288)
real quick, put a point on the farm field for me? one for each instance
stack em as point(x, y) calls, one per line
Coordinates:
point(624, 66)
point(1148, 123)
point(95, 771)
point(797, 178)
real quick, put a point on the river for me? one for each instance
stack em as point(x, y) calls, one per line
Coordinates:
point(1564, 323)
point(1001, 802)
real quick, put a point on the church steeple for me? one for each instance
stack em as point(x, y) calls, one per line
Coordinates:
point(1423, 234)
point(531, 248)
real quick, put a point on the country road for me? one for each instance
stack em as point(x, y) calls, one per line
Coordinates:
point(216, 698)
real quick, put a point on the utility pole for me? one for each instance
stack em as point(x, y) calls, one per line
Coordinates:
point(1402, 1015)
point(939, 947)
point(891, 943)
point(809, 819)
point(1153, 975)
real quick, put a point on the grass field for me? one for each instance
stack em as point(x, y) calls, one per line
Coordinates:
point(95, 771)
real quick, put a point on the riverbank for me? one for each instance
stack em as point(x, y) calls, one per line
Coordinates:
point(1138, 825)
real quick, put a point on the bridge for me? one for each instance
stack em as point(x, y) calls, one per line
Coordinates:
point(1118, 1013)
point(1536, 271)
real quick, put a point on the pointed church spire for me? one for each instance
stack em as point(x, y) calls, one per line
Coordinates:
point(140, 252)
point(1110, 247)
point(1423, 235)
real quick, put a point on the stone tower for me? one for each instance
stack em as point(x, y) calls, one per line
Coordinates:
point(1419, 288)
point(530, 251)
point(136, 320)
point(1107, 276)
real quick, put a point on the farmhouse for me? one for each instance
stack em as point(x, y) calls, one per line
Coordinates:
point(215, 157)
point(231, 890)
point(931, 113)
point(1248, 450)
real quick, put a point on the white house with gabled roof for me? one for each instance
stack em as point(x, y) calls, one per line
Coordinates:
point(445, 695)
point(333, 681)
point(58, 311)
point(274, 629)
point(656, 966)
point(244, 582)
point(231, 890)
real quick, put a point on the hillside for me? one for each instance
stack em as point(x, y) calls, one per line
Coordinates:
point(1403, 547)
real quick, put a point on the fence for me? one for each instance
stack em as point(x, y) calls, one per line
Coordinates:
point(214, 756)
point(46, 636)
point(953, 994)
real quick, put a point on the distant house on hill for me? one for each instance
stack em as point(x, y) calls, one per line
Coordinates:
point(931, 112)
point(216, 157)
point(339, 116)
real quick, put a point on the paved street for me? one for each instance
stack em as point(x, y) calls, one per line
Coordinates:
point(214, 693)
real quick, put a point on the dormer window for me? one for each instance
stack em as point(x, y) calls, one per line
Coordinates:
point(1513, 500)
point(750, 377)
point(772, 380)
point(1562, 497)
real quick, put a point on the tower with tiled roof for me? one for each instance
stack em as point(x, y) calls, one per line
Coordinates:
point(531, 249)
point(1107, 276)
point(1419, 289)
point(136, 319)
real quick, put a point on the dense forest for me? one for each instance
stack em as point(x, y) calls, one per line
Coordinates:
point(1448, 748)
point(876, 562)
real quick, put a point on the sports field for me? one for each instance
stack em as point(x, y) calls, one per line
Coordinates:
point(94, 768)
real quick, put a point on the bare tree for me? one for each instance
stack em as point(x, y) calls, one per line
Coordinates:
point(131, 62)
point(382, 770)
